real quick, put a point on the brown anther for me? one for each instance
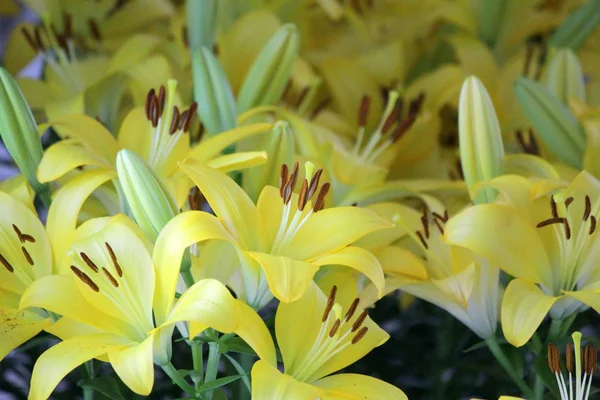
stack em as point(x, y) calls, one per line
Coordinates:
point(174, 121)
point(111, 278)
point(195, 199)
point(18, 232)
point(439, 225)
point(359, 321)
point(182, 119)
point(391, 119)
point(415, 105)
point(320, 107)
point(425, 223)
point(320, 202)
point(568, 201)
point(423, 241)
point(154, 112)
point(30, 39)
point(403, 127)
point(88, 261)
point(363, 110)
point(553, 207)
point(200, 132)
point(528, 58)
point(314, 183)
point(38, 37)
point(283, 178)
point(94, 29)
point(361, 334)
point(67, 25)
point(62, 40)
point(113, 257)
point(287, 89)
point(442, 218)
point(592, 224)
point(27, 238)
point(6, 264)
point(330, 303)
point(287, 193)
point(355, 204)
point(551, 221)
point(334, 328)
point(192, 112)
point(590, 359)
point(294, 176)
point(553, 358)
point(85, 279)
point(567, 230)
point(301, 96)
point(162, 95)
point(302, 198)
point(184, 36)
point(27, 256)
point(569, 358)
point(543, 54)
point(351, 310)
point(588, 208)
point(148, 105)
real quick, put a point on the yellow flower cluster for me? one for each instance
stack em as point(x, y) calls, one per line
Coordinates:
point(210, 158)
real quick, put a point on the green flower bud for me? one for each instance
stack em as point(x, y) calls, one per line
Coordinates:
point(565, 77)
point(149, 201)
point(552, 120)
point(480, 139)
point(19, 132)
point(575, 30)
point(280, 149)
point(212, 92)
point(202, 23)
point(269, 74)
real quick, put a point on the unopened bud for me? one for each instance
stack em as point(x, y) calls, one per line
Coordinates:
point(565, 77)
point(575, 30)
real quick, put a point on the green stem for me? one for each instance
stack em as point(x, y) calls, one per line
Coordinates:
point(555, 330)
point(88, 393)
point(212, 365)
point(198, 361)
point(536, 343)
point(188, 278)
point(178, 379)
point(246, 361)
point(539, 388)
point(494, 347)
point(45, 197)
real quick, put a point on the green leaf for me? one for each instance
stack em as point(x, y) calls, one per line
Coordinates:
point(240, 370)
point(482, 345)
point(106, 385)
point(575, 30)
point(217, 383)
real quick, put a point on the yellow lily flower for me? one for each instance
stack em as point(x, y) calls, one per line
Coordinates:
point(118, 303)
point(158, 134)
point(416, 260)
point(546, 241)
point(25, 256)
point(283, 240)
point(333, 335)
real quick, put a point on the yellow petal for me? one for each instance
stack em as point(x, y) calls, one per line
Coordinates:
point(132, 51)
point(238, 161)
point(36, 92)
point(253, 331)
point(268, 383)
point(333, 233)
point(66, 204)
point(15, 329)
point(396, 261)
point(270, 209)
point(19, 189)
point(367, 387)
point(91, 133)
point(65, 156)
point(288, 278)
point(182, 231)
point(209, 303)
point(229, 202)
point(523, 309)
point(134, 365)
point(525, 164)
point(135, 15)
point(65, 107)
point(59, 360)
point(214, 145)
point(18, 53)
point(134, 133)
point(60, 294)
point(589, 297)
point(359, 259)
point(503, 235)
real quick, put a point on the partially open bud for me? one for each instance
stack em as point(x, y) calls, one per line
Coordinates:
point(212, 92)
point(575, 30)
point(270, 72)
point(150, 202)
point(480, 139)
point(202, 23)
point(19, 132)
point(552, 120)
point(565, 77)
point(280, 148)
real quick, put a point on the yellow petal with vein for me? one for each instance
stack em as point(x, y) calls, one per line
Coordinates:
point(238, 161)
point(349, 385)
point(268, 383)
point(134, 365)
point(214, 145)
point(64, 157)
point(16, 329)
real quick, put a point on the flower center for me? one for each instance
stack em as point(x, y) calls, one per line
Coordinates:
point(168, 123)
point(572, 238)
point(289, 224)
point(58, 51)
point(578, 387)
point(106, 278)
point(392, 125)
point(437, 253)
point(337, 332)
